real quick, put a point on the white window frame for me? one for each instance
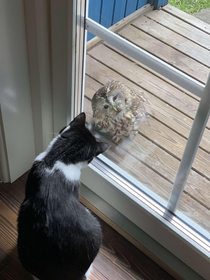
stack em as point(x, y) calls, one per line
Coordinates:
point(67, 49)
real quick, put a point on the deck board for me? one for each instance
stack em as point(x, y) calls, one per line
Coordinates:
point(174, 40)
point(166, 53)
point(187, 18)
point(153, 156)
point(181, 27)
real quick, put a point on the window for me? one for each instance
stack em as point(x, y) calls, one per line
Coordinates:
point(144, 179)
point(154, 167)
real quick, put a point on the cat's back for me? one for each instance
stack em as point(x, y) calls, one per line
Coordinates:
point(54, 230)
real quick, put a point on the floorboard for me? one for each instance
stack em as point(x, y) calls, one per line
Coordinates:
point(165, 52)
point(188, 18)
point(174, 40)
point(181, 27)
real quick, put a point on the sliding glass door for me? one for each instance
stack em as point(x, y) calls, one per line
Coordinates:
point(153, 111)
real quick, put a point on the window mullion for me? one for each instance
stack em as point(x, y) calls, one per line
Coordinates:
point(80, 58)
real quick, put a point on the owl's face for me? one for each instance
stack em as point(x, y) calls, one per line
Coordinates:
point(116, 100)
point(110, 104)
point(104, 108)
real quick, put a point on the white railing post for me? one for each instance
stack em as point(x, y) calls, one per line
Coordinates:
point(191, 148)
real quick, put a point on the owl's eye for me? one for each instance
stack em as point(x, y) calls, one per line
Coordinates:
point(106, 107)
point(115, 97)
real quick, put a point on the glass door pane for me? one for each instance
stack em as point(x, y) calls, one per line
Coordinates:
point(153, 154)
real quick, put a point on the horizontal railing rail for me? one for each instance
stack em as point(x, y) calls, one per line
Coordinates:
point(146, 58)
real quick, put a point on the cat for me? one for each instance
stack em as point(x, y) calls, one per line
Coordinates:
point(58, 238)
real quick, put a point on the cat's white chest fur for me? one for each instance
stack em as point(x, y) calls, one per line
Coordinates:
point(71, 172)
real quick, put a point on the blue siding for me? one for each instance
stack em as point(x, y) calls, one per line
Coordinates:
point(119, 11)
point(94, 13)
point(107, 13)
point(130, 7)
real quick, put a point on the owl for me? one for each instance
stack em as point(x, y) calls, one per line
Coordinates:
point(117, 110)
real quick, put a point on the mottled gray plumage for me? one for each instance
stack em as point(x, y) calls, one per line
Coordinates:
point(117, 110)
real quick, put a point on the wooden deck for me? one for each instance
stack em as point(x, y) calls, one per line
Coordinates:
point(154, 155)
point(117, 260)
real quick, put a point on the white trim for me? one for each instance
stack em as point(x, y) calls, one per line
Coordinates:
point(15, 97)
point(4, 167)
point(84, 53)
point(71, 37)
point(37, 19)
point(68, 59)
point(80, 59)
point(63, 45)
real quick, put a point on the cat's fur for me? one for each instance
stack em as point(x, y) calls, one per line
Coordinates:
point(58, 238)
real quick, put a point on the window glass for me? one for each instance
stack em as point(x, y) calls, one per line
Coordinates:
point(152, 152)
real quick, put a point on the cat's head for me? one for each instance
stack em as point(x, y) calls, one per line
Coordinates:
point(75, 144)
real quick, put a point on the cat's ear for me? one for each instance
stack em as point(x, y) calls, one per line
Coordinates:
point(78, 120)
point(102, 147)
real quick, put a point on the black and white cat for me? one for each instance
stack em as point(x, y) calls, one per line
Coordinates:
point(58, 238)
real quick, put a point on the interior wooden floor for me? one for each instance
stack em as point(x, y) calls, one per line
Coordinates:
point(118, 259)
point(154, 155)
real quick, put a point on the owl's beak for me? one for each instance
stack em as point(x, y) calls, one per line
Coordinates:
point(114, 108)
